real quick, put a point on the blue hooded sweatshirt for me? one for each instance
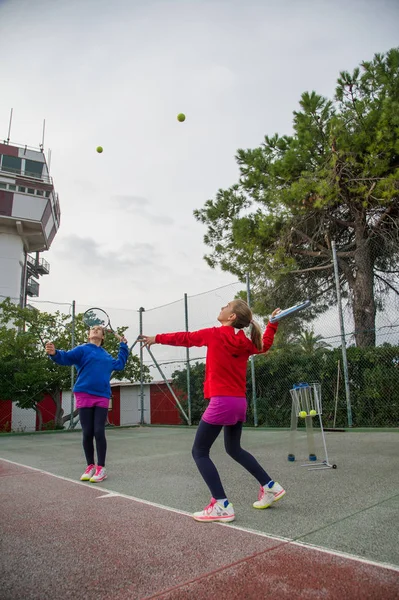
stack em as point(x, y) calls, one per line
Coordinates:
point(94, 366)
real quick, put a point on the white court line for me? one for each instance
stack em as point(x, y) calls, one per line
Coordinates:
point(110, 495)
point(289, 541)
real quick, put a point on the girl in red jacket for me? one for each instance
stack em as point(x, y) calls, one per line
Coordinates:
point(225, 386)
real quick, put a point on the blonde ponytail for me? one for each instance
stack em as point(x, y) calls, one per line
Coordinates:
point(244, 319)
point(256, 335)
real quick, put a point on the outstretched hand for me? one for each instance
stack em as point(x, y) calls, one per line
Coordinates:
point(121, 338)
point(276, 311)
point(147, 340)
point(50, 348)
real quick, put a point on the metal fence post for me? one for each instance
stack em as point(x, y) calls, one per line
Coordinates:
point(141, 310)
point(71, 423)
point(343, 341)
point(187, 361)
point(252, 358)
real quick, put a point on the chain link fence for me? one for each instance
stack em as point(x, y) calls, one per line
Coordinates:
point(360, 386)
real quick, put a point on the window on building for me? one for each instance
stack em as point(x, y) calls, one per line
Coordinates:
point(21, 188)
point(31, 191)
point(39, 192)
point(12, 187)
point(33, 168)
point(3, 186)
point(11, 164)
point(47, 194)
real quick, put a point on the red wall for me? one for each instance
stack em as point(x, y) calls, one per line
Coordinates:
point(47, 408)
point(114, 414)
point(163, 406)
point(5, 415)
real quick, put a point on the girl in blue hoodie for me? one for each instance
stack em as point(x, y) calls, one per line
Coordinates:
point(92, 393)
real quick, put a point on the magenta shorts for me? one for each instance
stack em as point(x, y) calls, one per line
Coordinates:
point(84, 400)
point(225, 410)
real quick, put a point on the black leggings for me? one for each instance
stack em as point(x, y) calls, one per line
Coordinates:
point(93, 426)
point(205, 437)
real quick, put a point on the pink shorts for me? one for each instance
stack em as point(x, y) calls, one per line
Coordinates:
point(225, 410)
point(84, 400)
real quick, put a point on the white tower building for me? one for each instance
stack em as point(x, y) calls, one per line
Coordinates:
point(29, 219)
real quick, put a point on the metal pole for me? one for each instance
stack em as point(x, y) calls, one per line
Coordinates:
point(343, 341)
point(71, 423)
point(252, 358)
point(187, 362)
point(141, 310)
point(9, 127)
point(24, 279)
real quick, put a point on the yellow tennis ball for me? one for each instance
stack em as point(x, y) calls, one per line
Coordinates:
point(99, 149)
point(303, 414)
point(181, 117)
point(313, 413)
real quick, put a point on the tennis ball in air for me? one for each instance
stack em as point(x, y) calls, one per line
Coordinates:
point(99, 149)
point(313, 413)
point(181, 117)
point(303, 414)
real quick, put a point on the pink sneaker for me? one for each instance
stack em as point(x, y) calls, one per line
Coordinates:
point(267, 495)
point(216, 512)
point(91, 469)
point(99, 475)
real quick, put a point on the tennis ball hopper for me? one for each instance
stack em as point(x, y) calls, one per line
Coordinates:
point(306, 404)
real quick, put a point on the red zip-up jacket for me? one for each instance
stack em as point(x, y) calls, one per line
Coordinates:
point(227, 356)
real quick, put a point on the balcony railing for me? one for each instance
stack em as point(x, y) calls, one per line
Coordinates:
point(32, 287)
point(38, 266)
point(26, 174)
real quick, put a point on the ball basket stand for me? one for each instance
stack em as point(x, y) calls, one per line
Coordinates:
point(306, 403)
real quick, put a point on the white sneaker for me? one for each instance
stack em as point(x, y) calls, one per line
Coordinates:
point(267, 495)
point(91, 469)
point(99, 475)
point(216, 512)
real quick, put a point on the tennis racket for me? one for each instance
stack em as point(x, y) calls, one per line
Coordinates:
point(288, 312)
point(97, 316)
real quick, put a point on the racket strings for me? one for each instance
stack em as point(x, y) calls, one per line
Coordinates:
point(97, 317)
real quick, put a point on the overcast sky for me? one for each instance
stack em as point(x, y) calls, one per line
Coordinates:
point(116, 74)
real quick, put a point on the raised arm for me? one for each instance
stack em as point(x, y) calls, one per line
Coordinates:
point(268, 337)
point(180, 338)
point(118, 364)
point(65, 358)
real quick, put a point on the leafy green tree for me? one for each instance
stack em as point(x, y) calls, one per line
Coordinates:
point(27, 374)
point(335, 179)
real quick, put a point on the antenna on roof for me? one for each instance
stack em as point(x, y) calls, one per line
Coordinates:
point(44, 128)
point(9, 127)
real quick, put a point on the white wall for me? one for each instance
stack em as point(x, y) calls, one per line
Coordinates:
point(28, 207)
point(31, 154)
point(23, 419)
point(130, 405)
point(11, 255)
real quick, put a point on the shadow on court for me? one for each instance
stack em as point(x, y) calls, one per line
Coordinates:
point(334, 535)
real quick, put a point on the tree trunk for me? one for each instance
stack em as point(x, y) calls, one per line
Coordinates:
point(39, 418)
point(66, 418)
point(364, 309)
point(56, 396)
